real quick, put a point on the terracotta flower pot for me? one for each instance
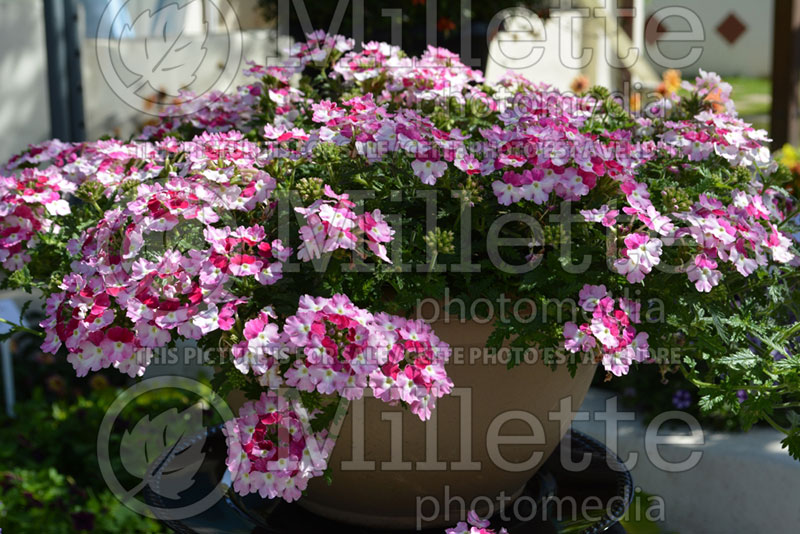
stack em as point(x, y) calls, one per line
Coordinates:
point(432, 479)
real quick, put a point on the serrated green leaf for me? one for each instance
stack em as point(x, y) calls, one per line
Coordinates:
point(743, 359)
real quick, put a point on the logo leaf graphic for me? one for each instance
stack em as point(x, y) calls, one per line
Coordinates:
point(169, 58)
point(154, 439)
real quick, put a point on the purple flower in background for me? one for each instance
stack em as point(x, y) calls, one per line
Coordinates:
point(777, 356)
point(682, 399)
point(741, 396)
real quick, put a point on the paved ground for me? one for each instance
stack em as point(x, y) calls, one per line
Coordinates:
point(743, 482)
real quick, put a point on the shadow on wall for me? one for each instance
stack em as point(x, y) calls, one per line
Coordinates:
point(24, 106)
point(138, 56)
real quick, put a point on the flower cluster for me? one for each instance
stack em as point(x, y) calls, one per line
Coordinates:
point(373, 59)
point(437, 75)
point(332, 224)
point(474, 525)
point(546, 154)
point(336, 344)
point(414, 373)
point(272, 450)
point(318, 49)
point(213, 112)
point(162, 266)
point(741, 233)
point(611, 332)
point(333, 347)
point(28, 203)
point(106, 162)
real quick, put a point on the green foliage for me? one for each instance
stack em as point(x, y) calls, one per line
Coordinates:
point(792, 440)
point(49, 477)
point(637, 520)
point(44, 500)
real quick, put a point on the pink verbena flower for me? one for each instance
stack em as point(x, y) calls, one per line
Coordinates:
point(377, 232)
point(468, 163)
point(474, 525)
point(578, 339)
point(611, 334)
point(641, 254)
point(428, 170)
point(603, 215)
point(703, 273)
point(337, 348)
point(331, 224)
point(415, 371)
point(590, 296)
point(272, 450)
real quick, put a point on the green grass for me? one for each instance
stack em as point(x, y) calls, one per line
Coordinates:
point(748, 86)
point(753, 98)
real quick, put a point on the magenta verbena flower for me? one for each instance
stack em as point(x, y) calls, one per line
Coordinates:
point(272, 449)
point(29, 204)
point(126, 298)
point(610, 336)
point(474, 525)
point(342, 349)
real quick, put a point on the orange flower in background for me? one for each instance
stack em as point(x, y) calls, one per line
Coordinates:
point(672, 80)
point(156, 98)
point(580, 84)
point(715, 99)
point(636, 102)
point(445, 25)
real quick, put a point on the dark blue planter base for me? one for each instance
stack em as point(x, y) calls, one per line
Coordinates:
point(606, 480)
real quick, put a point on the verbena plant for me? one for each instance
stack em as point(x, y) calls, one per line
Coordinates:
point(294, 226)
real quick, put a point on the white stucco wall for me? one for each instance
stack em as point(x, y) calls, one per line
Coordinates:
point(749, 55)
point(24, 106)
point(108, 112)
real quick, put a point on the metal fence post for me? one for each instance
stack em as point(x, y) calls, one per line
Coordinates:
point(9, 395)
point(64, 70)
point(9, 311)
